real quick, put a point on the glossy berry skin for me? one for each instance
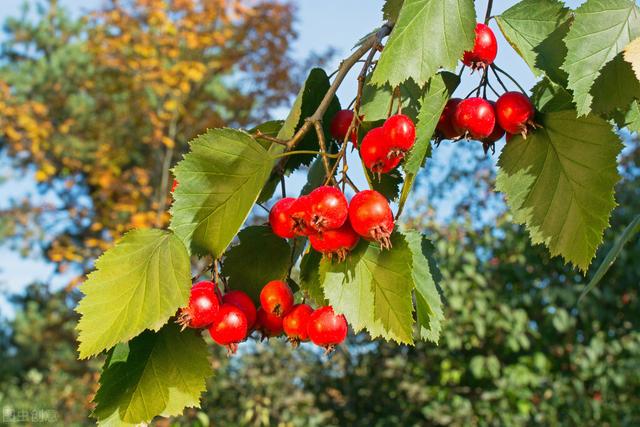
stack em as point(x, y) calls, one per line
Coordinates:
point(445, 127)
point(327, 329)
point(268, 324)
point(514, 112)
point(203, 306)
point(340, 126)
point(244, 303)
point(371, 217)
point(229, 327)
point(296, 322)
point(300, 213)
point(329, 208)
point(276, 298)
point(399, 133)
point(475, 116)
point(280, 218)
point(376, 154)
point(338, 242)
point(485, 48)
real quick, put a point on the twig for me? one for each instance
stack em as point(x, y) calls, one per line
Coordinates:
point(323, 149)
point(283, 188)
point(261, 135)
point(294, 153)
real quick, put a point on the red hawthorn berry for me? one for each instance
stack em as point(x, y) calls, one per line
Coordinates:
point(338, 242)
point(276, 298)
point(399, 134)
point(371, 217)
point(244, 303)
point(229, 327)
point(280, 219)
point(445, 127)
point(376, 154)
point(329, 208)
point(490, 141)
point(515, 113)
point(300, 212)
point(340, 126)
point(296, 322)
point(174, 186)
point(268, 324)
point(327, 329)
point(485, 48)
point(203, 306)
point(475, 116)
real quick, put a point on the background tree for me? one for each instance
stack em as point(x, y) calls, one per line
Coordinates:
point(101, 107)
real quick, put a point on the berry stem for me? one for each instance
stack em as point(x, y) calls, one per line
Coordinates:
point(323, 151)
point(496, 68)
point(293, 153)
point(487, 15)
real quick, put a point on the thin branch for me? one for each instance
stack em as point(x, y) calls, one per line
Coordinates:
point(323, 149)
point(261, 135)
point(495, 73)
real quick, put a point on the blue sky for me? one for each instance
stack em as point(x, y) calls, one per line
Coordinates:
point(337, 23)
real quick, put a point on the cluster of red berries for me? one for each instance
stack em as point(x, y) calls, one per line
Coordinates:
point(333, 225)
point(232, 317)
point(479, 118)
point(382, 148)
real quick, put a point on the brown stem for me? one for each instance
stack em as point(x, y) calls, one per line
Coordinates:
point(371, 42)
point(261, 135)
point(487, 15)
point(323, 150)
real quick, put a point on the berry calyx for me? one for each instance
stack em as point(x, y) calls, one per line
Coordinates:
point(300, 213)
point(203, 306)
point(244, 303)
point(329, 208)
point(276, 298)
point(371, 217)
point(446, 128)
point(340, 126)
point(280, 219)
point(485, 48)
point(338, 242)
point(296, 322)
point(375, 152)
point(476, 117)
point(399, 134)
point(327, 329)
point(515, 113)
point(229, 327)
point(268, 324)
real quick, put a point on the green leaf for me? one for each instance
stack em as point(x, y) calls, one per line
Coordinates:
point(632, 56)
point(615, 88)
point(260, 257)
point(428, 302)
point(600, 31)
point(220, 179)
point(560, 181)
point(629, 232)
point(310, 276)
point(391, 10)
point(373, 288)
point(154, 374)
point(548, 97)
point(439, 90)
point(535, 29)
point(429, 35)
point(138, 284)
point(376, 100)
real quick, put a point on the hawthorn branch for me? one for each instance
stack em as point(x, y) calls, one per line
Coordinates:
point(370, 43)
